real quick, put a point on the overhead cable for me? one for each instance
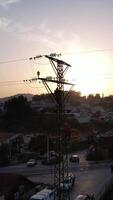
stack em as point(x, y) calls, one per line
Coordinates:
point(55, 54)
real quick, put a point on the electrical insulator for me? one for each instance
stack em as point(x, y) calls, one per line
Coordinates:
point(38, 56)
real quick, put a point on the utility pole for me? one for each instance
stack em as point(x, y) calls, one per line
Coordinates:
point(62, 137)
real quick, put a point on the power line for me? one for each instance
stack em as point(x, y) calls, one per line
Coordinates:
point(88, 51)
point(36, 87)
point(16, 81)
point(11, 84)
point(36, 63)
point(30, 58)
point(19, 60)
point(16, 60)
point(30, 81)
point(26, 82)
point(55, 54)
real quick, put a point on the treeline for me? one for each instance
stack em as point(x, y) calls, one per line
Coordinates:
point(19, 117)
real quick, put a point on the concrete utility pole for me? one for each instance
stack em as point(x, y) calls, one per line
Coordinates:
point(63, 133)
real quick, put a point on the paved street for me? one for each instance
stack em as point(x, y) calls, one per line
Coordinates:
point(90, 177)
point(87, 181)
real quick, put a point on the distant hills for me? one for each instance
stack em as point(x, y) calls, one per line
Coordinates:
point(28, 96)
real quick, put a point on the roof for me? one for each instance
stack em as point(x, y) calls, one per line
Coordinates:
point(107, 134)
point(4, 136)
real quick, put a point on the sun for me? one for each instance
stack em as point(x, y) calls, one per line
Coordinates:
point(87, 71)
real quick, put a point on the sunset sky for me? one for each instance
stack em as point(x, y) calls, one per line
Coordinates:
point(75, 28)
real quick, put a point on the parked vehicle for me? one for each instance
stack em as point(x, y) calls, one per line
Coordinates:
point(74, 158)
point(68, 182)
point(50, 194)
point(85, 197)
point(37, 197)
point(53, 153)
point(50, 159)
point(45, 194)
point(31, 163)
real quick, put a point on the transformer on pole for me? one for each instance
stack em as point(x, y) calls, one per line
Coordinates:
point(62, 133)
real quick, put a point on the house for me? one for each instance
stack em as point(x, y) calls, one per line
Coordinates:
point(6, 138)
point(15, 187)
point(10, 145)
point(42, 105)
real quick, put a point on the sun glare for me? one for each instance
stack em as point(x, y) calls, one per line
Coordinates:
point(87, 71)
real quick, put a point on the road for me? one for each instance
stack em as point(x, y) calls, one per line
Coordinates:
point(40, 169)
point(90, 177)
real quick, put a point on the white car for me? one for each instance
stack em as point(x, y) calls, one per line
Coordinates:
point(74, 158)
point(45, 194)
point(85, 197)
point(31, 163)
point(68, 182)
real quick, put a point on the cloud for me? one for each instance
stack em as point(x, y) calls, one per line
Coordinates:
point(4, 23)
point(43, 35)
point(6, 3)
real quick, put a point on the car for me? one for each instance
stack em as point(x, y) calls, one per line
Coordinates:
point(50, 160)
point(85, 197)
point(31, 162)
point(68, 182)
point(45, 194)
point(74, 158)
point(53, 153)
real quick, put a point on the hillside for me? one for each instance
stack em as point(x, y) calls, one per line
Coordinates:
point(28, 96)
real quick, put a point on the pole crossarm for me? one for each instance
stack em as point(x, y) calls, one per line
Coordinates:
point(56, 81)
point(58, 61)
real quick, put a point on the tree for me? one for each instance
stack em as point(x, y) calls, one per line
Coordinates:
point(97, 96)
point(90, 96)
point(17, 107)
point(75, 98)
